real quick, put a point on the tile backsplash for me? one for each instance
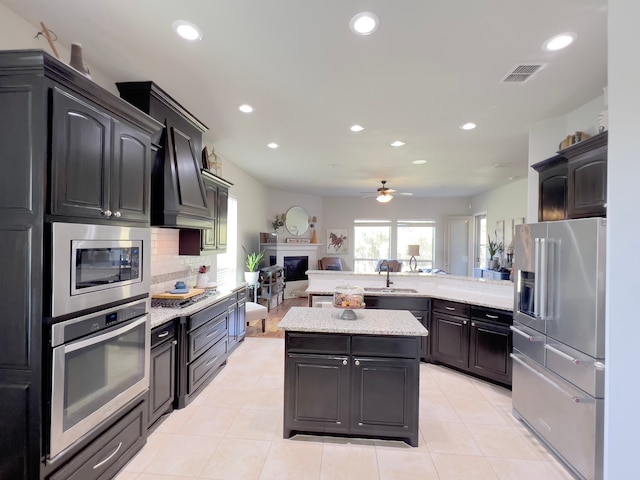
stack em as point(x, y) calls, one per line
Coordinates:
point(167, 266)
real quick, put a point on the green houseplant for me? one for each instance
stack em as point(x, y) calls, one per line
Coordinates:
point(494, 247)
point(252, 262)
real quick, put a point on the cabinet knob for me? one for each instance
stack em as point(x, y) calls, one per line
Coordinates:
point(107, 213)
point(344, 362)
point(473, 324)
point(464, 322)
point(117, 214)
point(357, 362)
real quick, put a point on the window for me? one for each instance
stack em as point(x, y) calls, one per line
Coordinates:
point(377, 239)
point(481, 240)
point(416, 232)
point(226, 262)
point(371, 240)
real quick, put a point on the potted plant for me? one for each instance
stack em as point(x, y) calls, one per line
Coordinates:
point(253, 262)
point(278, 222)
point(494, 247)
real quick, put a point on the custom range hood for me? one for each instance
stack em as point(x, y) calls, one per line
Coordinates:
point(178, 197)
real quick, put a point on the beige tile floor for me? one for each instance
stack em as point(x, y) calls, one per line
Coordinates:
point(233, 430)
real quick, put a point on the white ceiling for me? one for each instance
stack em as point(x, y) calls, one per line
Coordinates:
point(431, 66)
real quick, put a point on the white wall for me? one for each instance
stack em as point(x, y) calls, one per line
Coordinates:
point(622, 384)
point(341, 212)
point(502, 203)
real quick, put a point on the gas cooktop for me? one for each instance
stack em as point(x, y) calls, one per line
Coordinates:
point(181, 303)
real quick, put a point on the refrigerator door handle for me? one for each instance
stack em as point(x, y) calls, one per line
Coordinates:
point(536, 278)
point(531, 338)
point(575, 361)
point(573, 398)
point(542, 274)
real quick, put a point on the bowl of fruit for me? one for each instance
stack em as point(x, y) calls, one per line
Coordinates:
point(349, 299)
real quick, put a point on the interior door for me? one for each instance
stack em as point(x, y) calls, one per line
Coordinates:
point(458, 245)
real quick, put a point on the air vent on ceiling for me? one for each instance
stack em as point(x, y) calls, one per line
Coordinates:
point(522, 73)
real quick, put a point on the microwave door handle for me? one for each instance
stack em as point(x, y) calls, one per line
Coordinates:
point(104, 336)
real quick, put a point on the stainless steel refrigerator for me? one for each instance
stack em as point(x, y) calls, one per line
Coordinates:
point(558, 338)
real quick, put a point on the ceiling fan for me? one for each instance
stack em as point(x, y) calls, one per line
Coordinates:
point(384, 194)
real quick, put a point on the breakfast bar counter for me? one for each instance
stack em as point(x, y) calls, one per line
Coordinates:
point(352, 377)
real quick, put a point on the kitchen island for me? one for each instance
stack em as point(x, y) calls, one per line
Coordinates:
point(352, 377)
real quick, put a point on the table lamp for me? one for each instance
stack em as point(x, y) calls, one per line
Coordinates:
point(414, 251)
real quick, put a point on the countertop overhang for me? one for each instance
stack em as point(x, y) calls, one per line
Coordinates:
point(369, 322)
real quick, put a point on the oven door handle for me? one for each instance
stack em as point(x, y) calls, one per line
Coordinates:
point(98, 338)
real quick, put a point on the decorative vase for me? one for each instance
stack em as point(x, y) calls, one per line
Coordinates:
point(251, 277)
point(202, 280)
point(76, 60)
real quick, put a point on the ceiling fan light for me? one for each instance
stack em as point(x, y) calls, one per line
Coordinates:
point(384, 197)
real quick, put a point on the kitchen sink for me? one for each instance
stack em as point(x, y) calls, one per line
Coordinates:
point(389, 290)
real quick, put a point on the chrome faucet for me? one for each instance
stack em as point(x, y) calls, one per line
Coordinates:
point(382, 263)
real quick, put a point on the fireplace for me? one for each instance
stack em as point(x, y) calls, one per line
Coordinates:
point(295, 268)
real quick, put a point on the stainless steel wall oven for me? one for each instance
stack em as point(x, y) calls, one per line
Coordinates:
point(99, 364)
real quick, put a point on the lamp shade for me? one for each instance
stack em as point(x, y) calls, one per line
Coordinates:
point(413, 250)
point(384, 197)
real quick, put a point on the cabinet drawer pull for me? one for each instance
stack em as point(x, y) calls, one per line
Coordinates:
point(450, 308)
point(107, 213)
point(344, 362)
point(357, 362)
point(99, 464)
point(212, 333)
point(163, 334)
point(117, 214)
point(212, 361)
point(494, 317)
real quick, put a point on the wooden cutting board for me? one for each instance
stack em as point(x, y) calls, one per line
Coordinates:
point(179, 296)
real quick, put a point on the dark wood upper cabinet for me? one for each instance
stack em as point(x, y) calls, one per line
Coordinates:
point(100, 164)
point(178, 196)
point(573, 183)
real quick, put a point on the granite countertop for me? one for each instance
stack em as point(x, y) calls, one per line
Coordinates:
point(369, 322)
point(160, 315)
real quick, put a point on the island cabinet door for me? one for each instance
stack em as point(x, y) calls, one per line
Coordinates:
point(316, 394)
point(384, 397)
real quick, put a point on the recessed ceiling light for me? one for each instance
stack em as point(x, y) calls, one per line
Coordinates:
point(272, 145)
point(187, 30)
point(356, 128)
point(468, 126)
point(559, 42)
point(364, 23)
point(419, 162)
point(245, 108)
point(397, 143)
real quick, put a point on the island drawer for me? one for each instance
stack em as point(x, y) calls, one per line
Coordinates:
point(317, 343)
point(391, 346)
point(451, 308)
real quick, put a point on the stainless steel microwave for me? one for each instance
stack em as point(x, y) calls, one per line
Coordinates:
point(96, 265)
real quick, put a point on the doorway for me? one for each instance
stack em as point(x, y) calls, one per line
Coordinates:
point(458, 245)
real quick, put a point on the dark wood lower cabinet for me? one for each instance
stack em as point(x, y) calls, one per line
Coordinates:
point(162, 377)
point(489, 351)
point(361, 385)
point(450, 340)
point(476, 340)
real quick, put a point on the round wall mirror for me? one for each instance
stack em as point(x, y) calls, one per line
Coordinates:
point(297, 221)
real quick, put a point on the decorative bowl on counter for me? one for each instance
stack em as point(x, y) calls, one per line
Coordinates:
point(349, 298)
